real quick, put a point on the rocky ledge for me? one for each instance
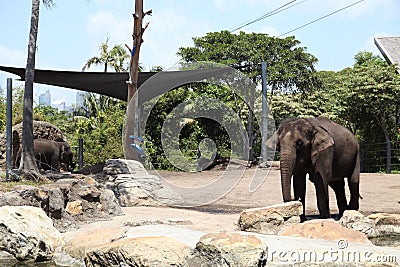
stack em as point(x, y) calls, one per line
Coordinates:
point(268, 236)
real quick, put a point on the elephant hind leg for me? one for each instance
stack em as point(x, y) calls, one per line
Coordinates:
point(338, 188)
point(354, 196)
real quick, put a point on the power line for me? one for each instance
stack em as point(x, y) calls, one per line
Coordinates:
point(330, 14)
point(268, 14)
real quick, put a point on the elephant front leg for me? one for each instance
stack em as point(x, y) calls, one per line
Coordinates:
point(321, 188)
point(299, 184)
point(338, 187)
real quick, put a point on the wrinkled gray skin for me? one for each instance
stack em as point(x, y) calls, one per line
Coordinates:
point(51, 154)
point(328, 152)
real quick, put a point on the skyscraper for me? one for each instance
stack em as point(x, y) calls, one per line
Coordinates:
point(45, 98)
point(80, 98)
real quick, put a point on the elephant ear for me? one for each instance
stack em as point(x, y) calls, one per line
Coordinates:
point(321, 142)
point(273, 141)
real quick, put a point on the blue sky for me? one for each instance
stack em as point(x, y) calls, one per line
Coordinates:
point(72, 31)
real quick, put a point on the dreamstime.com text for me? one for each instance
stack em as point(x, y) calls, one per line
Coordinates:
point(341, 254)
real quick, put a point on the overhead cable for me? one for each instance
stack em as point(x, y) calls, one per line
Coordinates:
point(268, 14)
point(330, 14)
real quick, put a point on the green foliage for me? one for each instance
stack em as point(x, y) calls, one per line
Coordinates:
point(114, 57)
point(100, 125)
point(364, 98)
point(290, 67)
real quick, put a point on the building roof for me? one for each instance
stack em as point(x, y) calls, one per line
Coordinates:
point(390, 49)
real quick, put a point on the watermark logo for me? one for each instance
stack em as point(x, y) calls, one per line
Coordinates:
point(225, 115)
point(342, 254)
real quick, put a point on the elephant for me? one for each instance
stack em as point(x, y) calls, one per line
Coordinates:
point(51, 155)
point(327, 152)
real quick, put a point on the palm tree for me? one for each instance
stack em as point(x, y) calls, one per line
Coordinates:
point(28, 165)
point(114, 58)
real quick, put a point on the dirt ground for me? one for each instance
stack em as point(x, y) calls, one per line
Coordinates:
point(258, 187)
point(254, 187)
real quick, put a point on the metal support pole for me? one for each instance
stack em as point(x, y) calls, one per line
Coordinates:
point(264, 130)
point(8, 127)
point(80, 152)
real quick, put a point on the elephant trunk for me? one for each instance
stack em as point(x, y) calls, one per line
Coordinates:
point(288, 158)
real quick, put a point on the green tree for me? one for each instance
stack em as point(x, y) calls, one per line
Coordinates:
point(28, 165)
point(115, 58)
point(374, 97)
point(290, 67)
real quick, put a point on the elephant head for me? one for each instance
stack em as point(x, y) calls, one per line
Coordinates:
point(299, 142)
point(66, 156)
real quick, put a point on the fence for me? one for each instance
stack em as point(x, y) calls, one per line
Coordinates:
point(374, 157)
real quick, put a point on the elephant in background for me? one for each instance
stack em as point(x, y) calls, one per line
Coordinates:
point(328, 152)
point(51, 155)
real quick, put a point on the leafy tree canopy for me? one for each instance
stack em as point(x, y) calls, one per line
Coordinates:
point(290, 67)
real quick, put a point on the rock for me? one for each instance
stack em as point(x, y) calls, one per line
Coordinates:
point(375, 225)
point(78, 246)
point(385, 219)
point(69, 202)
point(74, 207)
point(228, 249)
point(140, 252)
point(354, 220)
point(63, 259)
point(271, 219)
point(186, 236)
point(22, 195)
point(134, 186)
point(109, 203)
point(326, 229)
point(27, 233)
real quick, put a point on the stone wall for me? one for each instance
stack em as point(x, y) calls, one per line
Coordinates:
point(41, 129)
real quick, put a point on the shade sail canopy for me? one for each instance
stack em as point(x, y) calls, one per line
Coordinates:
point(113, 84)
point(110, 84)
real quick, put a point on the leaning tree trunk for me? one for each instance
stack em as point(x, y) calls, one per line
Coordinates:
point(28, 165)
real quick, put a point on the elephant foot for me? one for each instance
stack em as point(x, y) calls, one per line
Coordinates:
point(353, 205)
point(324, 216)
point(303, 218)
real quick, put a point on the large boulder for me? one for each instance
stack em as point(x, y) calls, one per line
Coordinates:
point(79, 245)
point(27, 233)
point(228, 249)
point(271, 219)
point(326, 229)
point(374, 225)
point(134, 186)
point(140, 252)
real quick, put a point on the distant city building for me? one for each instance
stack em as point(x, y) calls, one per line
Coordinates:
point(80, 99)
point(45, 99)
point(60, 105)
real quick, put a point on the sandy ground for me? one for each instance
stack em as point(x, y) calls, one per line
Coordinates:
point(241, 189)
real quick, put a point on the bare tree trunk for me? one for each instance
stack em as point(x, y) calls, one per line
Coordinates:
point(28, 165)
point(132, 108)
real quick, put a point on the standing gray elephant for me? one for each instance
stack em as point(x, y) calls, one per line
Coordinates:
point(328, 152)
point(51, 155)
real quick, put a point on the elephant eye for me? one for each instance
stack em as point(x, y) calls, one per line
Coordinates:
point(299, 143)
